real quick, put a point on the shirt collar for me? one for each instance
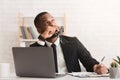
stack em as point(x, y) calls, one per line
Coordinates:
point(57, 42)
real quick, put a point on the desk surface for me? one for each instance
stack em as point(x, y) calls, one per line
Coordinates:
point(67, 77)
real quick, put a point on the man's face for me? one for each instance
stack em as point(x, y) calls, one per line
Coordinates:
point(47, 20)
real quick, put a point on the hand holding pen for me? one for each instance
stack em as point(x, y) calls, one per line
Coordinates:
point(100, 68)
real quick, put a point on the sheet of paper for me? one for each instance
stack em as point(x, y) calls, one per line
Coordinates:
point(87, 74)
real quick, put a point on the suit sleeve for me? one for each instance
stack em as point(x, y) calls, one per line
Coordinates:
point(85, 57)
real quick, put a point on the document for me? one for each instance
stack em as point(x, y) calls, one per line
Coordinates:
point(87, 74)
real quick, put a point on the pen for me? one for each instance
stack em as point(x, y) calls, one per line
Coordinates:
point(102, 59)
point(101, 63)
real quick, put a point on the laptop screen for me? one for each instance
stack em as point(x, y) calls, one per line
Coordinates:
point(34, 61)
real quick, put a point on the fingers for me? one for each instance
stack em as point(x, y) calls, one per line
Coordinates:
point(101, 69)
point(50, 30)
point(100, 66)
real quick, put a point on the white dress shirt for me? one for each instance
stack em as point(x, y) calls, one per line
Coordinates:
point(60, 58)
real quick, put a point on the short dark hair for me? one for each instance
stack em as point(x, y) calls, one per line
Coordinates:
point(37, 19)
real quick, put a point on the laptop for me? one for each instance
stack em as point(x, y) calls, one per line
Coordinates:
point(34, 61)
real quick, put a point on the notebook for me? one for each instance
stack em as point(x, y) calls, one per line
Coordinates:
point(34, 61)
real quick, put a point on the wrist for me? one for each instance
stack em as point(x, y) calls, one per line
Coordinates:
point(95, 67)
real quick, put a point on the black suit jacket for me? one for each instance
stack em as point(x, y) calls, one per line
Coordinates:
point(73, 51)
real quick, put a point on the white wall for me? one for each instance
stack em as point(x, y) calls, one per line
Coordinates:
point(95, 22)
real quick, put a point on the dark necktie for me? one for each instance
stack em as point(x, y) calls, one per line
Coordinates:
point(55, 56)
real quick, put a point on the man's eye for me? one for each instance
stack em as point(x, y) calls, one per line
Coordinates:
point(47, 22)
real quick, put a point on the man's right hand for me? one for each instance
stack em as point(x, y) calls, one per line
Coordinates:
point(50, 30)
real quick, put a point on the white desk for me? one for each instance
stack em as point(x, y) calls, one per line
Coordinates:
point(67, 77)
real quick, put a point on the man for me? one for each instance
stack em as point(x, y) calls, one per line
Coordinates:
point(69, 49)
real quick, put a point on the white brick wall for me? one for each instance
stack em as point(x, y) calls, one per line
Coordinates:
point(95, 22)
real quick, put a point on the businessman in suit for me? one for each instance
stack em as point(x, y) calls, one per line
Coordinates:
point(69, 50)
